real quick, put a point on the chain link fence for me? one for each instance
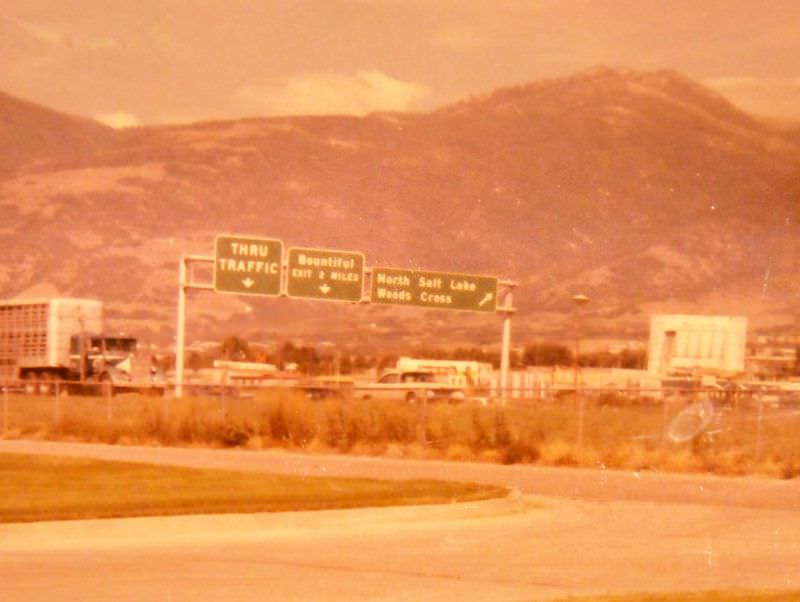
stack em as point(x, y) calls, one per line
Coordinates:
point(733, 431)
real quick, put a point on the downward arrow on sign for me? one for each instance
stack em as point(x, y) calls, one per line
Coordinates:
point(325, 289)
point(248, 282)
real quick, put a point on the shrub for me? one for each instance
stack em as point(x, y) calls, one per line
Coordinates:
point(517, 451)
point(234, 434)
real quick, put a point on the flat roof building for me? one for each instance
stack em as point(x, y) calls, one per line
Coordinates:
point(681, 343)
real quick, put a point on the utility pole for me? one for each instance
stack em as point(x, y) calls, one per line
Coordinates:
point(579, 300)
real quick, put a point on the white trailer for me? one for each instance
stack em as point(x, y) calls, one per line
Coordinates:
point(463, 373)
point(61, 339)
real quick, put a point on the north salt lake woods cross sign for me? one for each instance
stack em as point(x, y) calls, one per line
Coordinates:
point(440, 290)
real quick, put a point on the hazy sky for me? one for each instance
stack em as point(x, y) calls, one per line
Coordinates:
point(163, 61)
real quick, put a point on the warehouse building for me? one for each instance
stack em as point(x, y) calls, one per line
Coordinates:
point(690, 343)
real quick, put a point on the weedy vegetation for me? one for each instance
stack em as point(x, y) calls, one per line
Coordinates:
point(618, 432)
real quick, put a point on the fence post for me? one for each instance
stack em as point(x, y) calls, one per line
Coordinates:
point(759, 424)
point(423, 418)
point(57, 405)
point(109, 416)
point(5, 409)
point(581, 412)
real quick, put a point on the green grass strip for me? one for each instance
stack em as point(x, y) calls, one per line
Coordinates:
point(37, 488)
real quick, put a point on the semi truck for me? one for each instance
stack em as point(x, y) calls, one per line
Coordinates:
point(61, 340)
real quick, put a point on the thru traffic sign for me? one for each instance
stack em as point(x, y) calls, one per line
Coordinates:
point(441, 290)
point(247, 265)
point(325, 274)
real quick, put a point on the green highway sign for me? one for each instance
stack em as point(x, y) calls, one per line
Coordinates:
point(325, 274)
point(441, 290)
point(247, 265)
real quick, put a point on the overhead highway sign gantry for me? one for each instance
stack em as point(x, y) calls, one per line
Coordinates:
point(251, 265)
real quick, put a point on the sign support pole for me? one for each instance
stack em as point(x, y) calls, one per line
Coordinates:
point(180, 341)
point(184, 284)
point(505, 356)
point(505, 352)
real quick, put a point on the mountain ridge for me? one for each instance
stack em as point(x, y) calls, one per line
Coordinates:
point(32, 133)
point(644, 190)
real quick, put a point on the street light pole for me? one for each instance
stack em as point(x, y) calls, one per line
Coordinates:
point(579, 301)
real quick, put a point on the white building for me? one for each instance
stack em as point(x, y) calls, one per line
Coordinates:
point(686, 343)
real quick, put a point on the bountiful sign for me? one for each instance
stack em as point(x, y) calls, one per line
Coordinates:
point(247, 265)
point(325, 274)
point(441, 290)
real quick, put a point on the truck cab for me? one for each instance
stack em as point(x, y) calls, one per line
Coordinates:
point(102, 358)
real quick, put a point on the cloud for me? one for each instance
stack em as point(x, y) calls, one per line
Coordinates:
point(60, 37)
point(118, 120)
point(332, 93)
point(50, 36)
point(762, 95)
point(458, 37)
point(763, 83)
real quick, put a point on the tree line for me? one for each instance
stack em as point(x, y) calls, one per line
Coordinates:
point(316, 360)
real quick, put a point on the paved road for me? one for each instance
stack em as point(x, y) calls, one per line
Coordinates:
point(601, 532)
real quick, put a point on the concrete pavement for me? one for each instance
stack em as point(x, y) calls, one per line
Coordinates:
point(594, 532)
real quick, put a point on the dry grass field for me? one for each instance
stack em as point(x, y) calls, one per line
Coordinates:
point(617, 432)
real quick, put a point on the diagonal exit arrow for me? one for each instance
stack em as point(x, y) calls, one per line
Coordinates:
point(248, 282)
point(325, 289)
point(486, 298)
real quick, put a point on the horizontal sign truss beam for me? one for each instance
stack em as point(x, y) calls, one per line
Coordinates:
point(504, 286)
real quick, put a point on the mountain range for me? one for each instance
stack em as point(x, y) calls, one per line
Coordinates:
point(645, 191)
